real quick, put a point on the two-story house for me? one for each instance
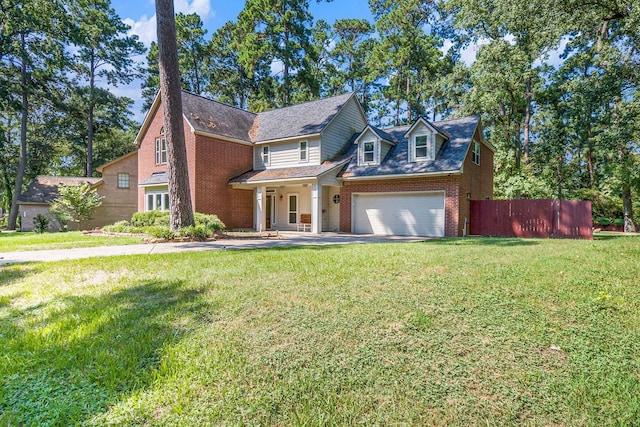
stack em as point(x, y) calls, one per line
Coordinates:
point(318, 166)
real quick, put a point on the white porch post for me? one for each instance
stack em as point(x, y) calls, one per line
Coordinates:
point(261, 213)
point(316, 208)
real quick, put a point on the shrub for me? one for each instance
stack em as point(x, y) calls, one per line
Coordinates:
point(196, 232)
point(120, 227)
point(618, 222)
point(41, 223)
point(210, 222)
point(159, 232)
point(146, 219)
point(603, 221)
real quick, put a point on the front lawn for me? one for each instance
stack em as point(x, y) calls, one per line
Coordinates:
point(446, 332)
point(28, 241)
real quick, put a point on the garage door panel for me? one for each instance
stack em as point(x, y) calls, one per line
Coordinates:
point(409, 214)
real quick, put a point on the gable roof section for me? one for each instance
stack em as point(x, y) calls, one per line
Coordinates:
point(44, 189)
point(428, 124)
point(450, 158)
point(308, 118)
point(379, 133)
point(212, 117)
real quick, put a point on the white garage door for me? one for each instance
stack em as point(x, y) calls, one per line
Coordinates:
point(399, 214)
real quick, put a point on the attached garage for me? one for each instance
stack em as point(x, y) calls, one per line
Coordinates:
point(400, 214)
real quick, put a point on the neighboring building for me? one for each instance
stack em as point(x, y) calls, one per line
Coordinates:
point(318, 166)
point(118, 186)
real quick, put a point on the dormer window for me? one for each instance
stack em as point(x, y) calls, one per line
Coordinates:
point(368, 152)
point(265, 155)
point(423, 147)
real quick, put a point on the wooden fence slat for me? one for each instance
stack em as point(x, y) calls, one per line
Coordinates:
point(542, 218)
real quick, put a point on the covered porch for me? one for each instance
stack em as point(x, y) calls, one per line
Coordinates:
point(299, 203)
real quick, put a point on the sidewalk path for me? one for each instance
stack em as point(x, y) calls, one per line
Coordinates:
point(284, 240)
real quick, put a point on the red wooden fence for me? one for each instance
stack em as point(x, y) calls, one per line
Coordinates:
point(542, 218)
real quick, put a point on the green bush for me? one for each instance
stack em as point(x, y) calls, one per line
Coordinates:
point(196, 232)
point(120, 227)
point(210, 222)
point(618, 222)
point(603, 221)
point(146, 219)
point(159, 232)
point(41, 223)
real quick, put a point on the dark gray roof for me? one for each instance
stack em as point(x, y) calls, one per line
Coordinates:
point(384, 135)
point(156, 178)
point(286, 173)
point(210, 116)
point(44, 189)
point(449, 159)
point(298, 120)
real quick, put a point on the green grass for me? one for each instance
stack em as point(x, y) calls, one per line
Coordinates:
point(446, 332)
point(10, 242)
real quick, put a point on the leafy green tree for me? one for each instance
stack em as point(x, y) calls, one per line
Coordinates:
point(279, 31)
point(76, 203)
point(193, 56)
point(104, 51)
point(406, 56)
point(31, 40)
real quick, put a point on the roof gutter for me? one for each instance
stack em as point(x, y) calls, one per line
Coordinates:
point(220, 137)
point(311, 135)
point(401, 176)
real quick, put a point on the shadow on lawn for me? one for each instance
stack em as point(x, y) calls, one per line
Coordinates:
point(14, 272)
point(79, 355)
point(484, 241)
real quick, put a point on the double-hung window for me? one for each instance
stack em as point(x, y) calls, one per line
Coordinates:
point(161, 151)
point(266, 155)
point(304, 151)
point(368, 152)
point(423, 147)
point(475, 154)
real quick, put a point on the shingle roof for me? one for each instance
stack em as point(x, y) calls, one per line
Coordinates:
point(156, 178)
point(206, 115)
point(298, 120)
point(44, 189)
point(449, 159)
point(313, 171)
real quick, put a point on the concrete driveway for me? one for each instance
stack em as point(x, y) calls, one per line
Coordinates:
point(283, 239)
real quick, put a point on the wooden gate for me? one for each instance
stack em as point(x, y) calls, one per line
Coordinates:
point(542, 218)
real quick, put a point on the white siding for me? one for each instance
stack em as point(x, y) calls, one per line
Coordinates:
point(349, 121)
point(421, 129)
point(287, 154)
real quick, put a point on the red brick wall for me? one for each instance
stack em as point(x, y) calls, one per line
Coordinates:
point(147, 153)
point(216, 162)
point(476, 180)
point(212, 162)
point(448, 184)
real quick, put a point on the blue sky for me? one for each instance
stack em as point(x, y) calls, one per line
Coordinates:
point(140, 16)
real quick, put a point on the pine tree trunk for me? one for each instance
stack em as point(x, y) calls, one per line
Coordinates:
point(527, 119)
point(180, 210)
point(89, 170)
point(22, 162)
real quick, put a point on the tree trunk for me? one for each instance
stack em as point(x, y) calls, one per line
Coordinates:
point(22, 162)
point(627, 203)
point(180, 210)
point(408, 99)
point(527, 118)
point(89, 170)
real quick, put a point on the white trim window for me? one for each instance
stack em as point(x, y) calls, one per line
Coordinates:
point(368, 152)
point(475, 154)
point(304, 152)
point(157, 201)
point(124, 180)
point(266, 155)
point(293, 208)
point(161, 151)
point(423, 147)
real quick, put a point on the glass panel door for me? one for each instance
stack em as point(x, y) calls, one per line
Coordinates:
point(293, 208)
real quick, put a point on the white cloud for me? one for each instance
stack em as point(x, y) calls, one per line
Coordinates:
point(469, 53)
point(145, 27)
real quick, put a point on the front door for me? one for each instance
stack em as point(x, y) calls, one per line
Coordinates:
point(293, 208)
point(269, 209)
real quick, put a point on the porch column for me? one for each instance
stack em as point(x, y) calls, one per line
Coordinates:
point(316, 208)
point(261, 213)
